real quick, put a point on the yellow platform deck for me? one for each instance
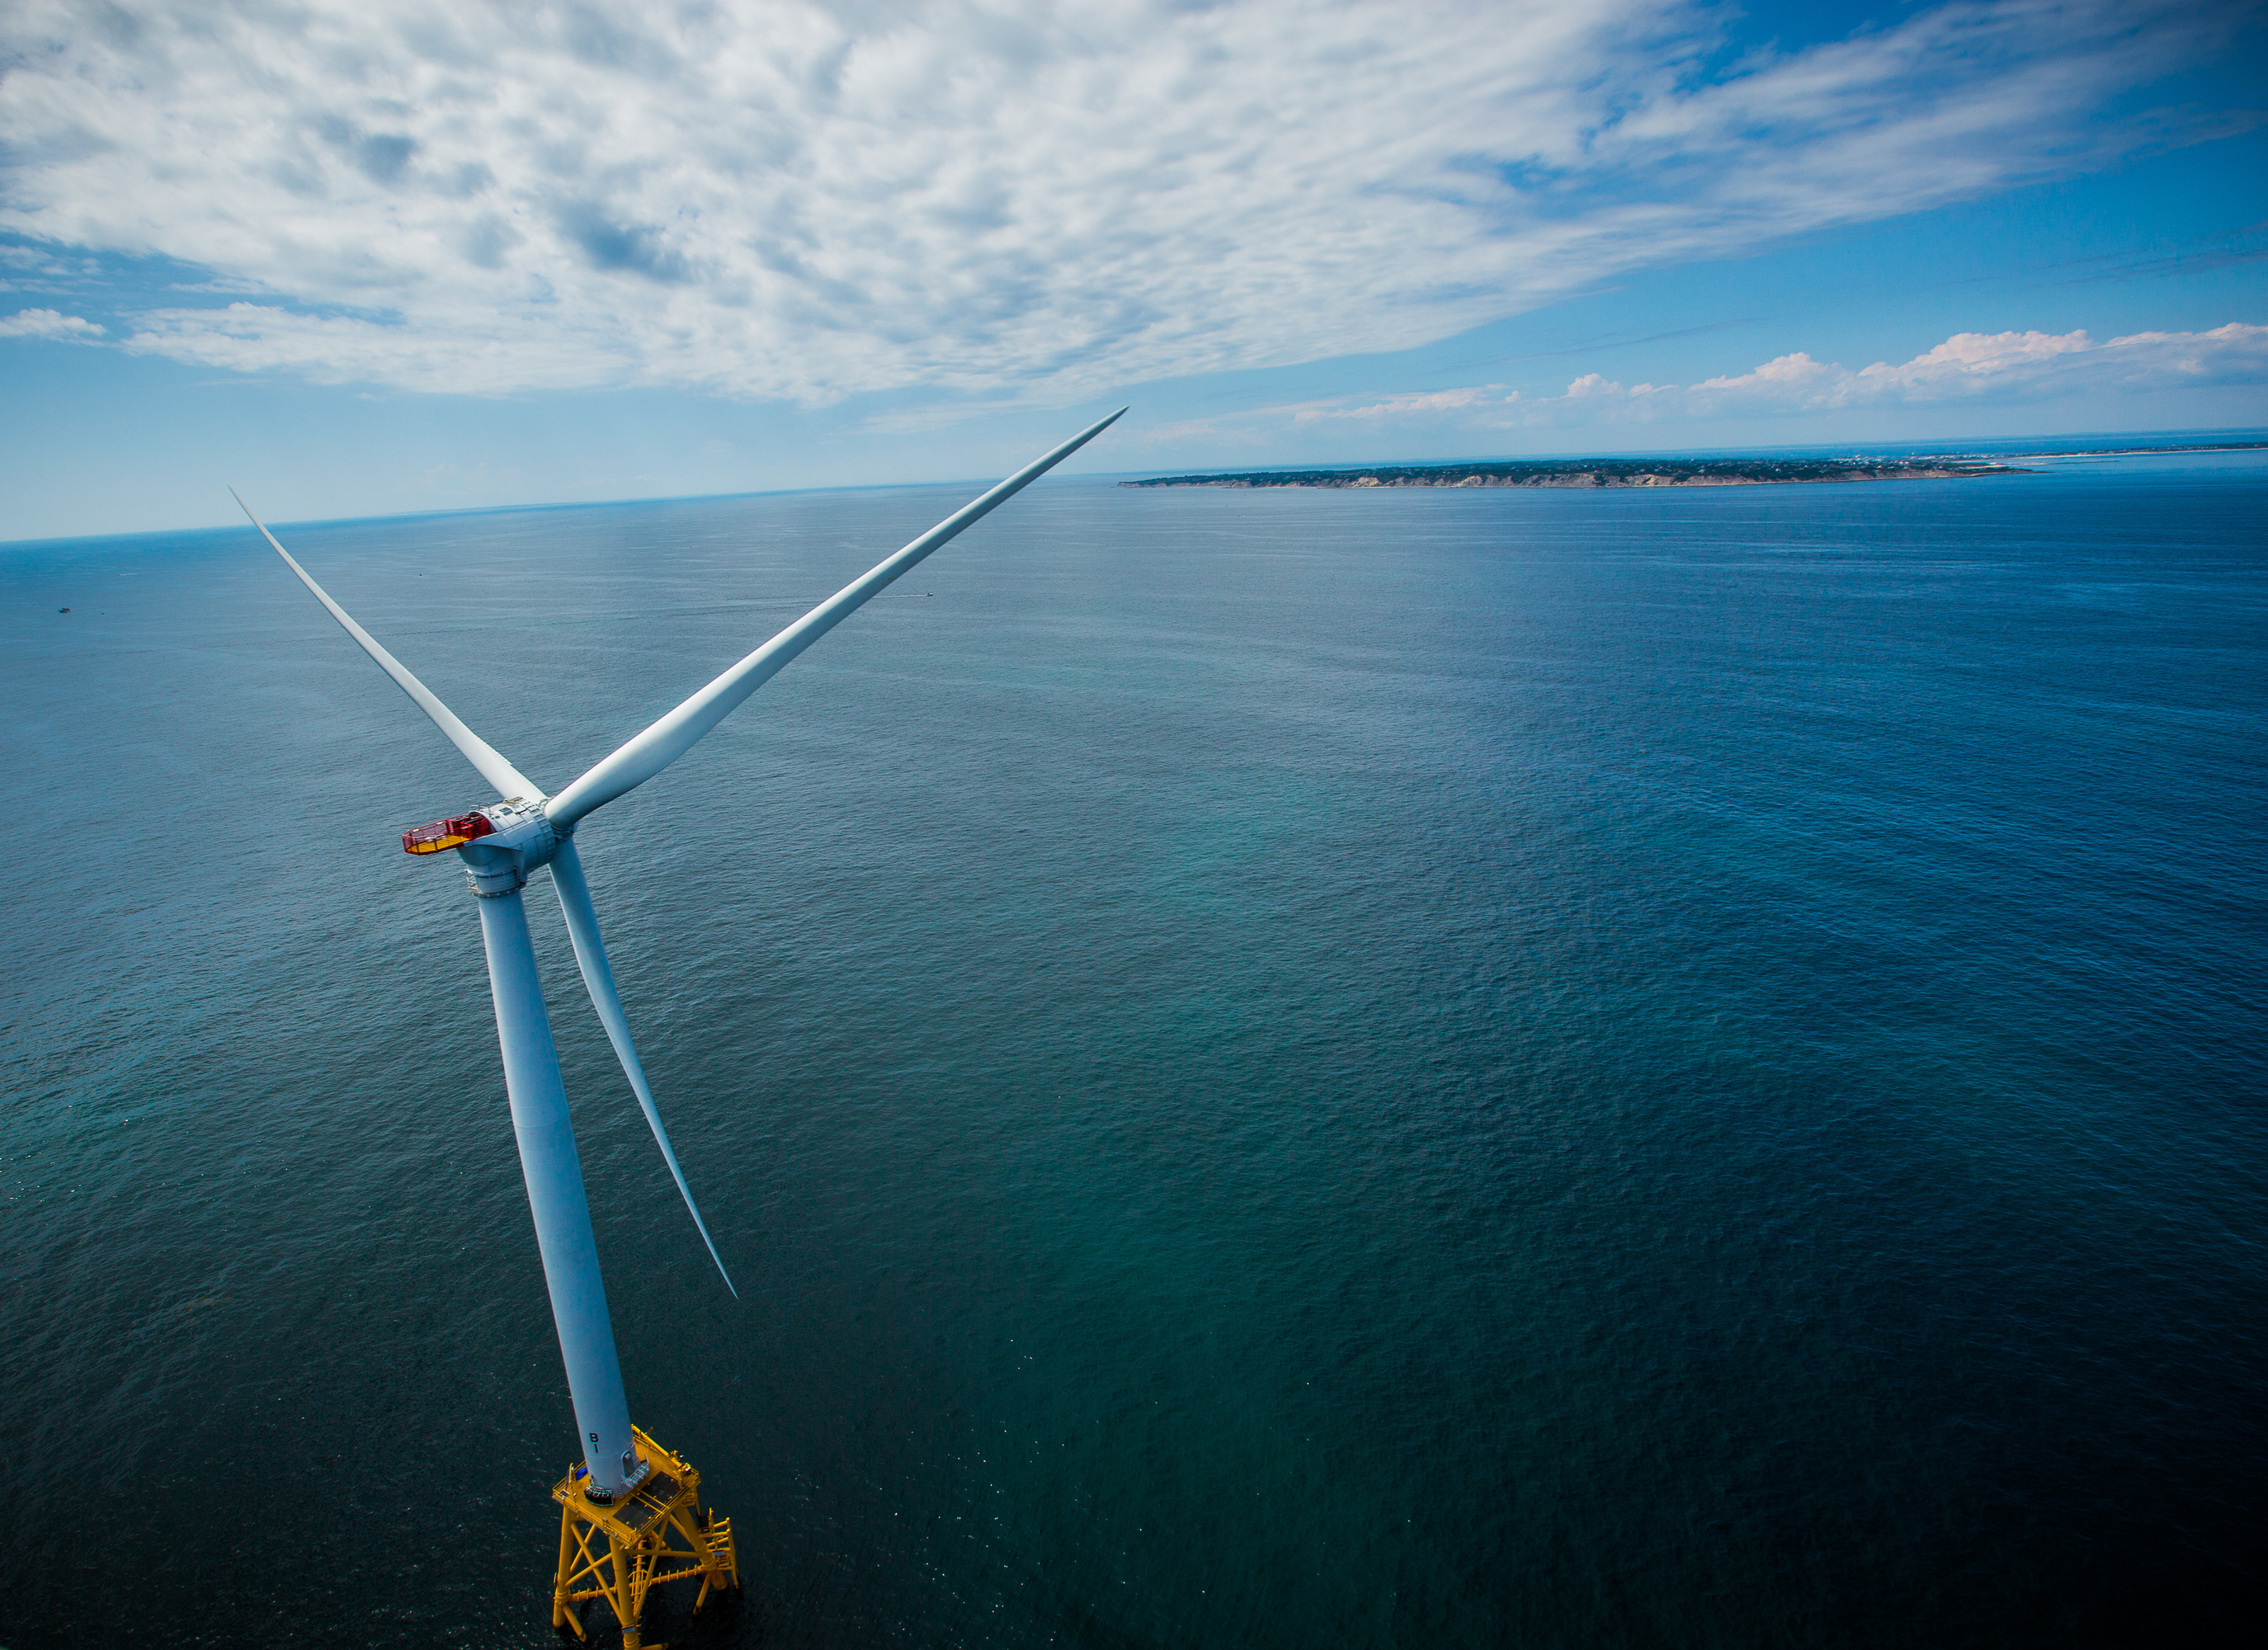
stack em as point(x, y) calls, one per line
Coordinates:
point(618, 1551)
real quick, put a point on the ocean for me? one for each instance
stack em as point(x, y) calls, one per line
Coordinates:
point(1636, 1068)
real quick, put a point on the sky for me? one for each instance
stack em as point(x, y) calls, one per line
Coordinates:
point(368, 257)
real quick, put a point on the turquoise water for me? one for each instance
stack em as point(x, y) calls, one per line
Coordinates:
point(1276, 1069)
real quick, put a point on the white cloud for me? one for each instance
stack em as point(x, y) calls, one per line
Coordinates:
point(335, 349)
point(1971, 366)
point(804, 201)
point(1438, 400)
point(1968, 366)
point(47, 323)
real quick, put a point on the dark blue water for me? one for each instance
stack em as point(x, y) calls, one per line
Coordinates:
point(1289, 1068)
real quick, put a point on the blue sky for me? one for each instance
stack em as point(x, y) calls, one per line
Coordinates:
point(369, 258)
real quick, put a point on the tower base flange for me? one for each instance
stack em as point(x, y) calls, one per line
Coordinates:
point(618, 1551)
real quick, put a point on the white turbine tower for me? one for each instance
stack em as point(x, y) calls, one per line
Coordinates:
point(629, 1511)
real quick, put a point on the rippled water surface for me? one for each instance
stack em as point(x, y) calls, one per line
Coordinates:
point(1280, 1069)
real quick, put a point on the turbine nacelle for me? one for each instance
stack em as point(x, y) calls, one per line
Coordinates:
point(500, 843)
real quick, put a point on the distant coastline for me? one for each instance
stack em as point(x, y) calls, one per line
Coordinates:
point(1603, 473)
point(1662, 472)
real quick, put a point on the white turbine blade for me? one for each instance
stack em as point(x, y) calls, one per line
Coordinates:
point(590, 953)
point(673, 735)
point(507, 779)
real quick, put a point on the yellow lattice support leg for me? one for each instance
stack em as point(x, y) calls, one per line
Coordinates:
point(620, 1550)
point(563, 1613)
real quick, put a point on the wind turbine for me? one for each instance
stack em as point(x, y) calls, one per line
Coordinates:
point(629, 1513)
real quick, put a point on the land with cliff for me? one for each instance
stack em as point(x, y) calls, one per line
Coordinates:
point(1654, 472)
